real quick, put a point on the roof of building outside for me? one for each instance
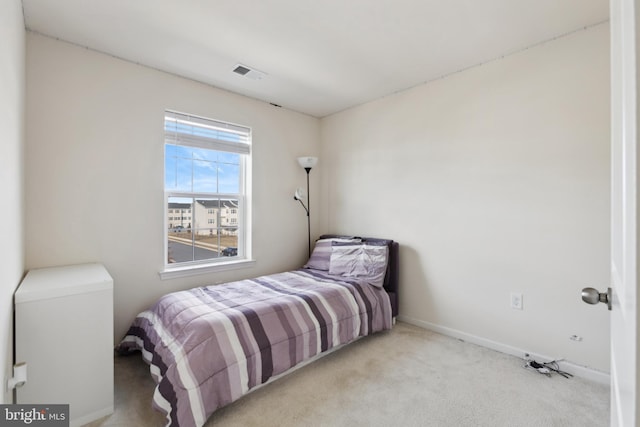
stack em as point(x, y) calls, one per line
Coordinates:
point(205, 203)
point(218, 203)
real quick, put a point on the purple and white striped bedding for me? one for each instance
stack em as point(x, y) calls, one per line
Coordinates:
point(209, 346)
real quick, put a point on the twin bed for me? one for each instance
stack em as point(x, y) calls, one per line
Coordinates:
point(210, 345)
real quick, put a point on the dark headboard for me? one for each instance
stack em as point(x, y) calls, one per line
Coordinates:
point(392, 278)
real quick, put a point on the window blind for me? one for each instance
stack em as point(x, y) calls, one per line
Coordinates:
point(193, 131)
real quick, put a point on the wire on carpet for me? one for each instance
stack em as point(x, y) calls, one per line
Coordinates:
point(546, 368)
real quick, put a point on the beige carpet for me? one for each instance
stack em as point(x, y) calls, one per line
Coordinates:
point(406, 377)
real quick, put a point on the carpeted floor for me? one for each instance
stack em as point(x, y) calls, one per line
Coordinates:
point(406, 377)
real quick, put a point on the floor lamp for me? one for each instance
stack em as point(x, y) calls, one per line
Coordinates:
point(307, 163)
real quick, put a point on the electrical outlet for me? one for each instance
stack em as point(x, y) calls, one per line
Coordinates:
point(516, 300)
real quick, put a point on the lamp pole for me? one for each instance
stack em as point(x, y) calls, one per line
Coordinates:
point(308, 211)
point(307, 164)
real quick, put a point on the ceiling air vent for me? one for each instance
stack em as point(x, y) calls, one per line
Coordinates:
point(251, 73)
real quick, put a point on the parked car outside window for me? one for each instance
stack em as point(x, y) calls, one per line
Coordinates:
point(230, 251)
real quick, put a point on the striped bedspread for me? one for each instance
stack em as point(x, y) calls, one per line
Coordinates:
point(209, 346)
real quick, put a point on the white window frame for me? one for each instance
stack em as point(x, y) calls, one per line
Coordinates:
point(243, 259)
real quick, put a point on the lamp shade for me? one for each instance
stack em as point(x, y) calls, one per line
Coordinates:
point(300, 194)
point(307, 162)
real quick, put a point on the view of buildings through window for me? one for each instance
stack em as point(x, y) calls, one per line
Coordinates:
point(204, 189)
point(201, 229)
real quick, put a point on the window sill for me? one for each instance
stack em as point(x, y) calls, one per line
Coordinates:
point(192, 270)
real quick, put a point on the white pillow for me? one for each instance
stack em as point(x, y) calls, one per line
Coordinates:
point(319, 259)
point(367, 261)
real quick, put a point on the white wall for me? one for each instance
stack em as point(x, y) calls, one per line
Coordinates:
point(493, 180)
point(94, 170)
point(12, 81)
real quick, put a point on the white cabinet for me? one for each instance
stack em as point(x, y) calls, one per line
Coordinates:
point(64, 332)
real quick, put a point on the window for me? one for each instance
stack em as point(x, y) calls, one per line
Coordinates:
point(206, 171)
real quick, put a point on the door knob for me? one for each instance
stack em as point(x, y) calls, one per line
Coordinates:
point(592, 296)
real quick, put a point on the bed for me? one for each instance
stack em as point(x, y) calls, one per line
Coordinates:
point(209, 346)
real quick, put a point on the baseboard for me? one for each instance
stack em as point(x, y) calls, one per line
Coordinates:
point(577, 370)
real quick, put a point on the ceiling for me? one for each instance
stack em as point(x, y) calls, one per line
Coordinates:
point(319, 56)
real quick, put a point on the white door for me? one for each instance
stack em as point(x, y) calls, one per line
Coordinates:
point(624, 233)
